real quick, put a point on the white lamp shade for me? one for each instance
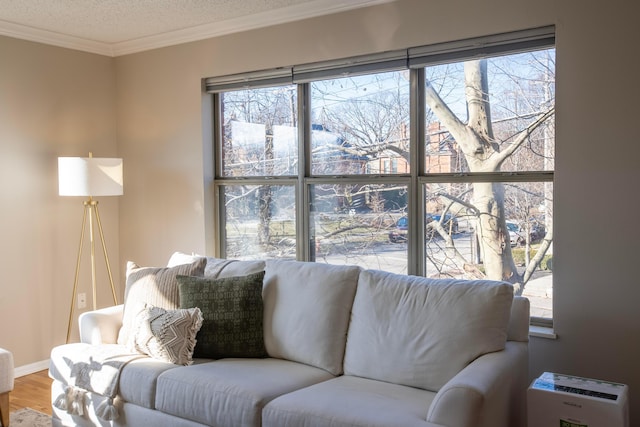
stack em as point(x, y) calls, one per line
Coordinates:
point(90, 176)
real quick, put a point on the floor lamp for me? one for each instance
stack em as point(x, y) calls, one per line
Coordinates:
point(89, 177)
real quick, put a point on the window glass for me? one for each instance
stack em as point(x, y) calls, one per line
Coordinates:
point(259, 132)
point(360, 124)
point(479, 175)
point(491, 115)
point(259, 221)
point(360, 224)
point(464, 239)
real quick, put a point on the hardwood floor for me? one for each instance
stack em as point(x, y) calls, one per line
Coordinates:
point(32, 391)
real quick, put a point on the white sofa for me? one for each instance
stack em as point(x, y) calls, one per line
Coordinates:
point(346, 347)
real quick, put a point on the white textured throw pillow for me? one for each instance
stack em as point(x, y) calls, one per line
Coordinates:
point(421, 332)
point(180, 258)
point(153, 286)
point(168, 335)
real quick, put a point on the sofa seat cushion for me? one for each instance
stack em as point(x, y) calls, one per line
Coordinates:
point(350, 401)
point(138, 378)
point(307, 307)
point(420, 332)
point(231, 392)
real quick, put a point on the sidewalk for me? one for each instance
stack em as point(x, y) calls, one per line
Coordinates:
point(540, 291)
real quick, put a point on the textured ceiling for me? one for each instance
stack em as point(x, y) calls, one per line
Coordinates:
point(113, 22)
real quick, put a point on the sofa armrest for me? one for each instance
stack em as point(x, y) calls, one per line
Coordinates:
point(101, 326)
point(490, 391)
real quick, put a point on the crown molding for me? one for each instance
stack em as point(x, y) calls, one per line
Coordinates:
point(200, 32)
point(24, 32)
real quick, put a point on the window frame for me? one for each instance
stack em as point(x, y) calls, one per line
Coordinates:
point(414, 60)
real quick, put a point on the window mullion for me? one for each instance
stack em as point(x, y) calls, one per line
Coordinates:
point(415, 204)
point(219, 212)
point(221, 223)
point(303, 222)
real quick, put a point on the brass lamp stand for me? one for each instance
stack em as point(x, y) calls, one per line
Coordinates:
point(90, 177)
point(90, 206)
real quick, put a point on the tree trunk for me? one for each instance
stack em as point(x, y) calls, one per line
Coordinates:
point(265, 196)
point(482, 153)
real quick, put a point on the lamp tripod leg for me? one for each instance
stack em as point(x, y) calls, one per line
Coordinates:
point(92, 246)
point(75, 280)
point(106, 256)
point(92, 207)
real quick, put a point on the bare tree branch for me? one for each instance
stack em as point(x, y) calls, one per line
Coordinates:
point(457, 128)
point(524, 134)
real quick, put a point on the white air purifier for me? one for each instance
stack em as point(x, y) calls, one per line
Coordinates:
point(556, 400)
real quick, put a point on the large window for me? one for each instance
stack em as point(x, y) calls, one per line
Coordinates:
point(435, 161)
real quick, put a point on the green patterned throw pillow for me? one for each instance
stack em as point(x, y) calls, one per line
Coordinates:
point(232, 311)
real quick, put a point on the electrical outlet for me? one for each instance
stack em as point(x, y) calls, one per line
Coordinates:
point(82, 300)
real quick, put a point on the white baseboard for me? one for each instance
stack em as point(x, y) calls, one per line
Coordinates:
point(21, 371)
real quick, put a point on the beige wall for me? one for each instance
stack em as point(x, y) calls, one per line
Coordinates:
point(53, 102)
point(163, 135)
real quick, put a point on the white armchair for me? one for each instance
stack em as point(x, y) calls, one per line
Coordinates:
point(6, 384)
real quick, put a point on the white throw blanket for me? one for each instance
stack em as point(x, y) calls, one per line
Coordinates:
point(98, 371)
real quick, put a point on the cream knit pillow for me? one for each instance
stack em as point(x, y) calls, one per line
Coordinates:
point(153, 286)
point(168, 335)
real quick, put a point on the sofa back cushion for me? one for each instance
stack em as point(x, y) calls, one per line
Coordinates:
point(218, 268)
point(306, 309)
point(421, 332)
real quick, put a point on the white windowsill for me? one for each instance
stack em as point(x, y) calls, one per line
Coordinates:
point(542, 332)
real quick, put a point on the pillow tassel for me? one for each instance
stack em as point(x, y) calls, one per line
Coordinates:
point(107, 410)
point(191, 345)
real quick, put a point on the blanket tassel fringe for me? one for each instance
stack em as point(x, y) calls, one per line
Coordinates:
point(71, 401)
point(107, 410)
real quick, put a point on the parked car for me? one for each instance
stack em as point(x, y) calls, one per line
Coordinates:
point(537, 231)
point(517, 233)
point(515, 236)
point(399, 233)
